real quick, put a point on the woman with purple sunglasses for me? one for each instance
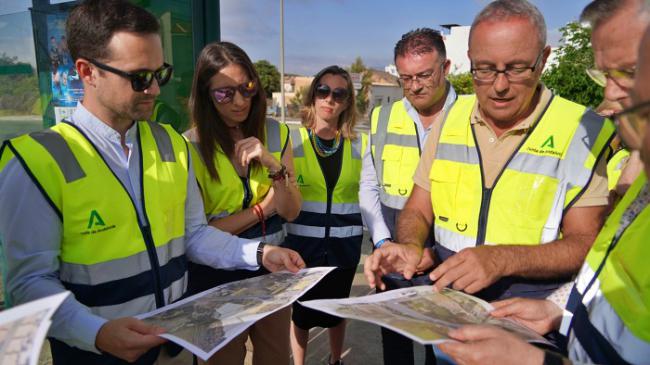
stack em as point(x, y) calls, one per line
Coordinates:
point(244, 167)
point(328, 232)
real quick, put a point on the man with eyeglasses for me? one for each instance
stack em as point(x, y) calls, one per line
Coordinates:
point(514, 182)
point(106, 205)
point(398, 132)
point(616, 30)
point(607, 319)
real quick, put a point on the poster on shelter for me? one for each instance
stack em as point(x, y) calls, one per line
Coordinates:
point(67, 88)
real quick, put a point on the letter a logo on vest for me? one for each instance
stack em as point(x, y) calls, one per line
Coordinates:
point(548, 143)
point(300, 180)
point(95, 220)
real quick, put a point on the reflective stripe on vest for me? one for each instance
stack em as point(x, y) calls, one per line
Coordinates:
point(610, 300)
point(344, 205)
point(113, 262)
point(395, 149)
point(615, 167)
point(544, 177)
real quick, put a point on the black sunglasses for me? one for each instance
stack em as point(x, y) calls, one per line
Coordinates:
point(224, 95)
point(340, 95)
point(140, 80)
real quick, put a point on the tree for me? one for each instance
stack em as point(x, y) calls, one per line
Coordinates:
point(18, 86)
point(462, 83)
point(269, 77)
point(295, 104)
point(568, 78)
point(366, 80)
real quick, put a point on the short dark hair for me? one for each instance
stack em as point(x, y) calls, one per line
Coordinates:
point(421, 40)
point(599, 10)
point(92, 24)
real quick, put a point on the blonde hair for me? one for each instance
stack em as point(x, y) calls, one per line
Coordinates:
point(347, 118)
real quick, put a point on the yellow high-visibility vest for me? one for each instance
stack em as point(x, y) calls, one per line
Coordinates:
point(395, 149)
point(322, 217)
point(615, 167)
point(610, 300)
point(226, 196)
point(112, 261)
point(540, 181)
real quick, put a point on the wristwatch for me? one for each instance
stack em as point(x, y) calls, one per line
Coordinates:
point(260, 253)
point(381, 242)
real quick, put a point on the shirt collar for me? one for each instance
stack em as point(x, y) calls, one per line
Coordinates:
point(544, 99)
point(82, 117)
point(449, 101)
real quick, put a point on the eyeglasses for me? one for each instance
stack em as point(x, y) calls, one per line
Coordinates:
point(512, 73)
point(340, 95)
point(631, 124)
point(624, 78)
point(226, 94)
point(142, 79)
point(407, 80)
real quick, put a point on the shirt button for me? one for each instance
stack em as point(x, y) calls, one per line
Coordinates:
point(491, 139)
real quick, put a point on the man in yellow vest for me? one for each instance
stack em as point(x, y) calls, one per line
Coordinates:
point(514, 183)
point(397, 133)
point(106, 205)
point(607, 318)
point(616, 30)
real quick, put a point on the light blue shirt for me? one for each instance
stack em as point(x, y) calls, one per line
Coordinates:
point(369, 184)
point(31, 232)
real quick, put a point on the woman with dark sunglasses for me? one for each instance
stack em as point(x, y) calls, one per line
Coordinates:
point(243, 163)
point(328, 231)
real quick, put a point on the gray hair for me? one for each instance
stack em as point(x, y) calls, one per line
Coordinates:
point(506, 9)
point(600, 10)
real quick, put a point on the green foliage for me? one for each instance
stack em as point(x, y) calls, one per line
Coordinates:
point(18, 92)
point(366, 80)
point(568, 77)
point(269, 76)
point(462, 83)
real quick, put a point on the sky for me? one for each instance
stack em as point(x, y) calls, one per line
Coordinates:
point(318, 33)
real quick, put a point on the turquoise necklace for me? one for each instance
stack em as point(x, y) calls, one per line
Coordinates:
point(321, 149)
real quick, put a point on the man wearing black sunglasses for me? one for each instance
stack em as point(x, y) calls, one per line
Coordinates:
point(106, 204)
point(513, 184)
point(398, 132)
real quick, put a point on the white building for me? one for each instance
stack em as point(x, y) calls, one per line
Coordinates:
point(456, 43)
point(384, 88)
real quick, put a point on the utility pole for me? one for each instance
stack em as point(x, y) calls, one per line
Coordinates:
point(282, 104)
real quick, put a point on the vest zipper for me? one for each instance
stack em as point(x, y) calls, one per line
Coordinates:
point(145, 227)
point(417, 138)
point(486, 193)
point(483, 215)
point(155, 264)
